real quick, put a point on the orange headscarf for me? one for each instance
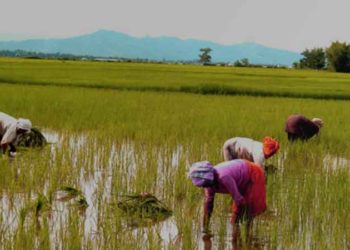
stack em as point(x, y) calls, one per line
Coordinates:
point(270, 146)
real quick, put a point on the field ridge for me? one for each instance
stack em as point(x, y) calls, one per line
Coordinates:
point(202, 89)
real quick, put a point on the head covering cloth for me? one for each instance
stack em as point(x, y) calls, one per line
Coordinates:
point(202, 174)
point(270, 146)
point(24, 124)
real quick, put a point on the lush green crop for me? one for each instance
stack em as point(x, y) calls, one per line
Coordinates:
point(179, 78)
point(110, 143)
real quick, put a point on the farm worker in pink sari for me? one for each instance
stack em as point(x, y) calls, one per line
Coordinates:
point(244, 181)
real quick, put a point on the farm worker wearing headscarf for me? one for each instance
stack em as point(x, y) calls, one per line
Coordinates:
point(248, 149)
point(244, 181)
point(300, 127)
point(10, 129)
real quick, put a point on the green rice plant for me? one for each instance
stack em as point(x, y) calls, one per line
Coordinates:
point(111, 142)
point(41, 205)
point(144, 206)
point(67, 193)
point(177, 78)
point(81, 202)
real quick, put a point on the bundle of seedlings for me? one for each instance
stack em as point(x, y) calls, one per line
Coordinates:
point(32, 139)
point(67, 193)
point(42, 205)
point(145, 206)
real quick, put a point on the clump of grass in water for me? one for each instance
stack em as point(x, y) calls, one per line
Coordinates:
point(144, 206)
point(67, 193)
point(41, 205)
point(32, 139)
point(81, 203)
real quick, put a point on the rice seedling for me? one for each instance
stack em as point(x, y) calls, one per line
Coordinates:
point(144, 206)
point(110, 143)
point(66, 193)
point(177, 78)
point(42, 204)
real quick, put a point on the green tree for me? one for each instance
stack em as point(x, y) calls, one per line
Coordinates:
point(244, 62)
point(338, 55)
point(313, 59)
point(296, 65)
point(205, 56)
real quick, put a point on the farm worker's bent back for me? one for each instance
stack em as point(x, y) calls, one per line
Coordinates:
point(248, 149)
point(10, 129)
point(302, 128)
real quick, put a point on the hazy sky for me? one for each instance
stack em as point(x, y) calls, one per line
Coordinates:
point(292, 24)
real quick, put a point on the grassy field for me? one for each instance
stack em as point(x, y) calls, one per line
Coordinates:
point(179, 78)
point(110, 142)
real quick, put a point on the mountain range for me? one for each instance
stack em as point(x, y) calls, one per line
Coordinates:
point(105, 43)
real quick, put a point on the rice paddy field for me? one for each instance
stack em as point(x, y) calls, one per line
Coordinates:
point(117, 129)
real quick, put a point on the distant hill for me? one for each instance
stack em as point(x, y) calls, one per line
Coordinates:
point(105, 43)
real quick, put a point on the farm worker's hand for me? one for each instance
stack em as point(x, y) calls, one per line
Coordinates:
point(233, 218)
point(238, 211)
point(207, 241)
point(206, 219)
point(235, 210)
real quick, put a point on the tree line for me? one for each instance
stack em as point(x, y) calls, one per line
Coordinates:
point(205, 58)
point(62, 56)
point(335, 58)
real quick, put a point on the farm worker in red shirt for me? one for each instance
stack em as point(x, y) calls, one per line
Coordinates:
point(248, 149)
point(244, 181)
point(10, 129)
point(300, 127)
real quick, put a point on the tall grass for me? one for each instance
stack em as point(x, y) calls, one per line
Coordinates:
point(112, 143)
point(177, 78)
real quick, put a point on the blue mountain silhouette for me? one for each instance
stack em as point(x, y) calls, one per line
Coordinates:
point(104, 43)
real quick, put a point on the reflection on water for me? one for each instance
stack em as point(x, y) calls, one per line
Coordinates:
point(237, 237)
point(96, 165)
point(99, 169)
point(331, 162)
point(51, 136)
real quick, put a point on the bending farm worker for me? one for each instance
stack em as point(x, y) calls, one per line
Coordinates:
point(244, 181)
point(10, 129)
point(300, 127)
point(248, 149)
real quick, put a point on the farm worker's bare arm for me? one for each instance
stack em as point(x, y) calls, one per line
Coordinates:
point(4, 148)
point(208, 206)
point(9, 137)
point(231, 186)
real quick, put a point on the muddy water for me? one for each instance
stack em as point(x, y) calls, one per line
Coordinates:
point(95, 183)
point(96, 166)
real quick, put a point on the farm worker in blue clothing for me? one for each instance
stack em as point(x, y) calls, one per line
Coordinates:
point(10, 129)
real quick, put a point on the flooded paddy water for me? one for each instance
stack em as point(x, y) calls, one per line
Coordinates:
point(304, 197)
point(108, 144)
